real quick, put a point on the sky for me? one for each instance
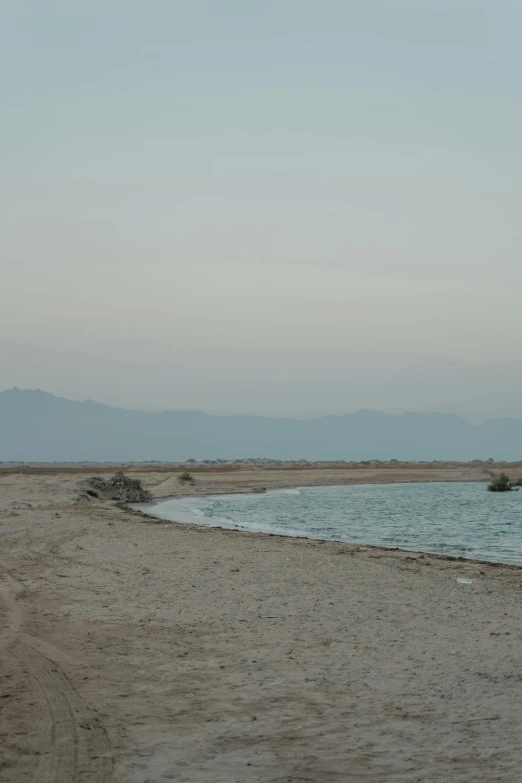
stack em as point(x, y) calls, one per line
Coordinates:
point(283, 207)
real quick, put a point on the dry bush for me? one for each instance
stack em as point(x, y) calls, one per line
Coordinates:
point(121, 488)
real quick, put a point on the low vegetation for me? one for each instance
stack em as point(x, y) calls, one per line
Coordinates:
point(502, 483)
point(120, 487)
point(186, 478)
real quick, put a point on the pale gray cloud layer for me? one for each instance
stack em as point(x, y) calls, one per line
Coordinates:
point(267, 206)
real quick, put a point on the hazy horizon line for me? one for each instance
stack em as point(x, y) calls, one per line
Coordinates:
point(286, 414)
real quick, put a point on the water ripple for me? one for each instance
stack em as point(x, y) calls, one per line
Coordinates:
point(452, 519)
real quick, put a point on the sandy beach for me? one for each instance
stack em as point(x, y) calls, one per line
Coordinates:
point(142, 652)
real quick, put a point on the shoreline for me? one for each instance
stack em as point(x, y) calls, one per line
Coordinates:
point(185, 489)
point(239, 491)
point(155, 519)
point(352, 546)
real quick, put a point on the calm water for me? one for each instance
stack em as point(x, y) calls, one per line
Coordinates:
point(453, 519)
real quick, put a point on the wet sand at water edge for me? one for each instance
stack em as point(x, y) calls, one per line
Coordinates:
point(142, 652)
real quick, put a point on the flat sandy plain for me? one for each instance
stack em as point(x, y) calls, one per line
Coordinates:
point(143, 652)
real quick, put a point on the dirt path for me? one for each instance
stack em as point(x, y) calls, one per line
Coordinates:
point(141, 653)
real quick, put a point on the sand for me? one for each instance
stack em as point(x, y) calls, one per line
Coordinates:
point(140, 652)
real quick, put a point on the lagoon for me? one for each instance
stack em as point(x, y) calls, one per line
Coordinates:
point(457, 519)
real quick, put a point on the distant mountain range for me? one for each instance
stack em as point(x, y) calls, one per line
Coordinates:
point(38, 427)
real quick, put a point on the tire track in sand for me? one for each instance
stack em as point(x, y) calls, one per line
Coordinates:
point(59, 729)
point(74, 741)
point(12, 624)
point(77, 740)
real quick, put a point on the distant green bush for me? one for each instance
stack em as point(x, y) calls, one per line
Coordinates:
point(501, 483)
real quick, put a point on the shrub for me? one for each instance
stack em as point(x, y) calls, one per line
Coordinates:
point(186, 478)
point(129, 490)
point(500, 483)
point(121, 488)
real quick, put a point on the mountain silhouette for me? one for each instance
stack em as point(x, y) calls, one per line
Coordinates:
point(37, 426)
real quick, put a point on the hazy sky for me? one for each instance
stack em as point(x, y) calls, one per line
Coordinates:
point(263, 205)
